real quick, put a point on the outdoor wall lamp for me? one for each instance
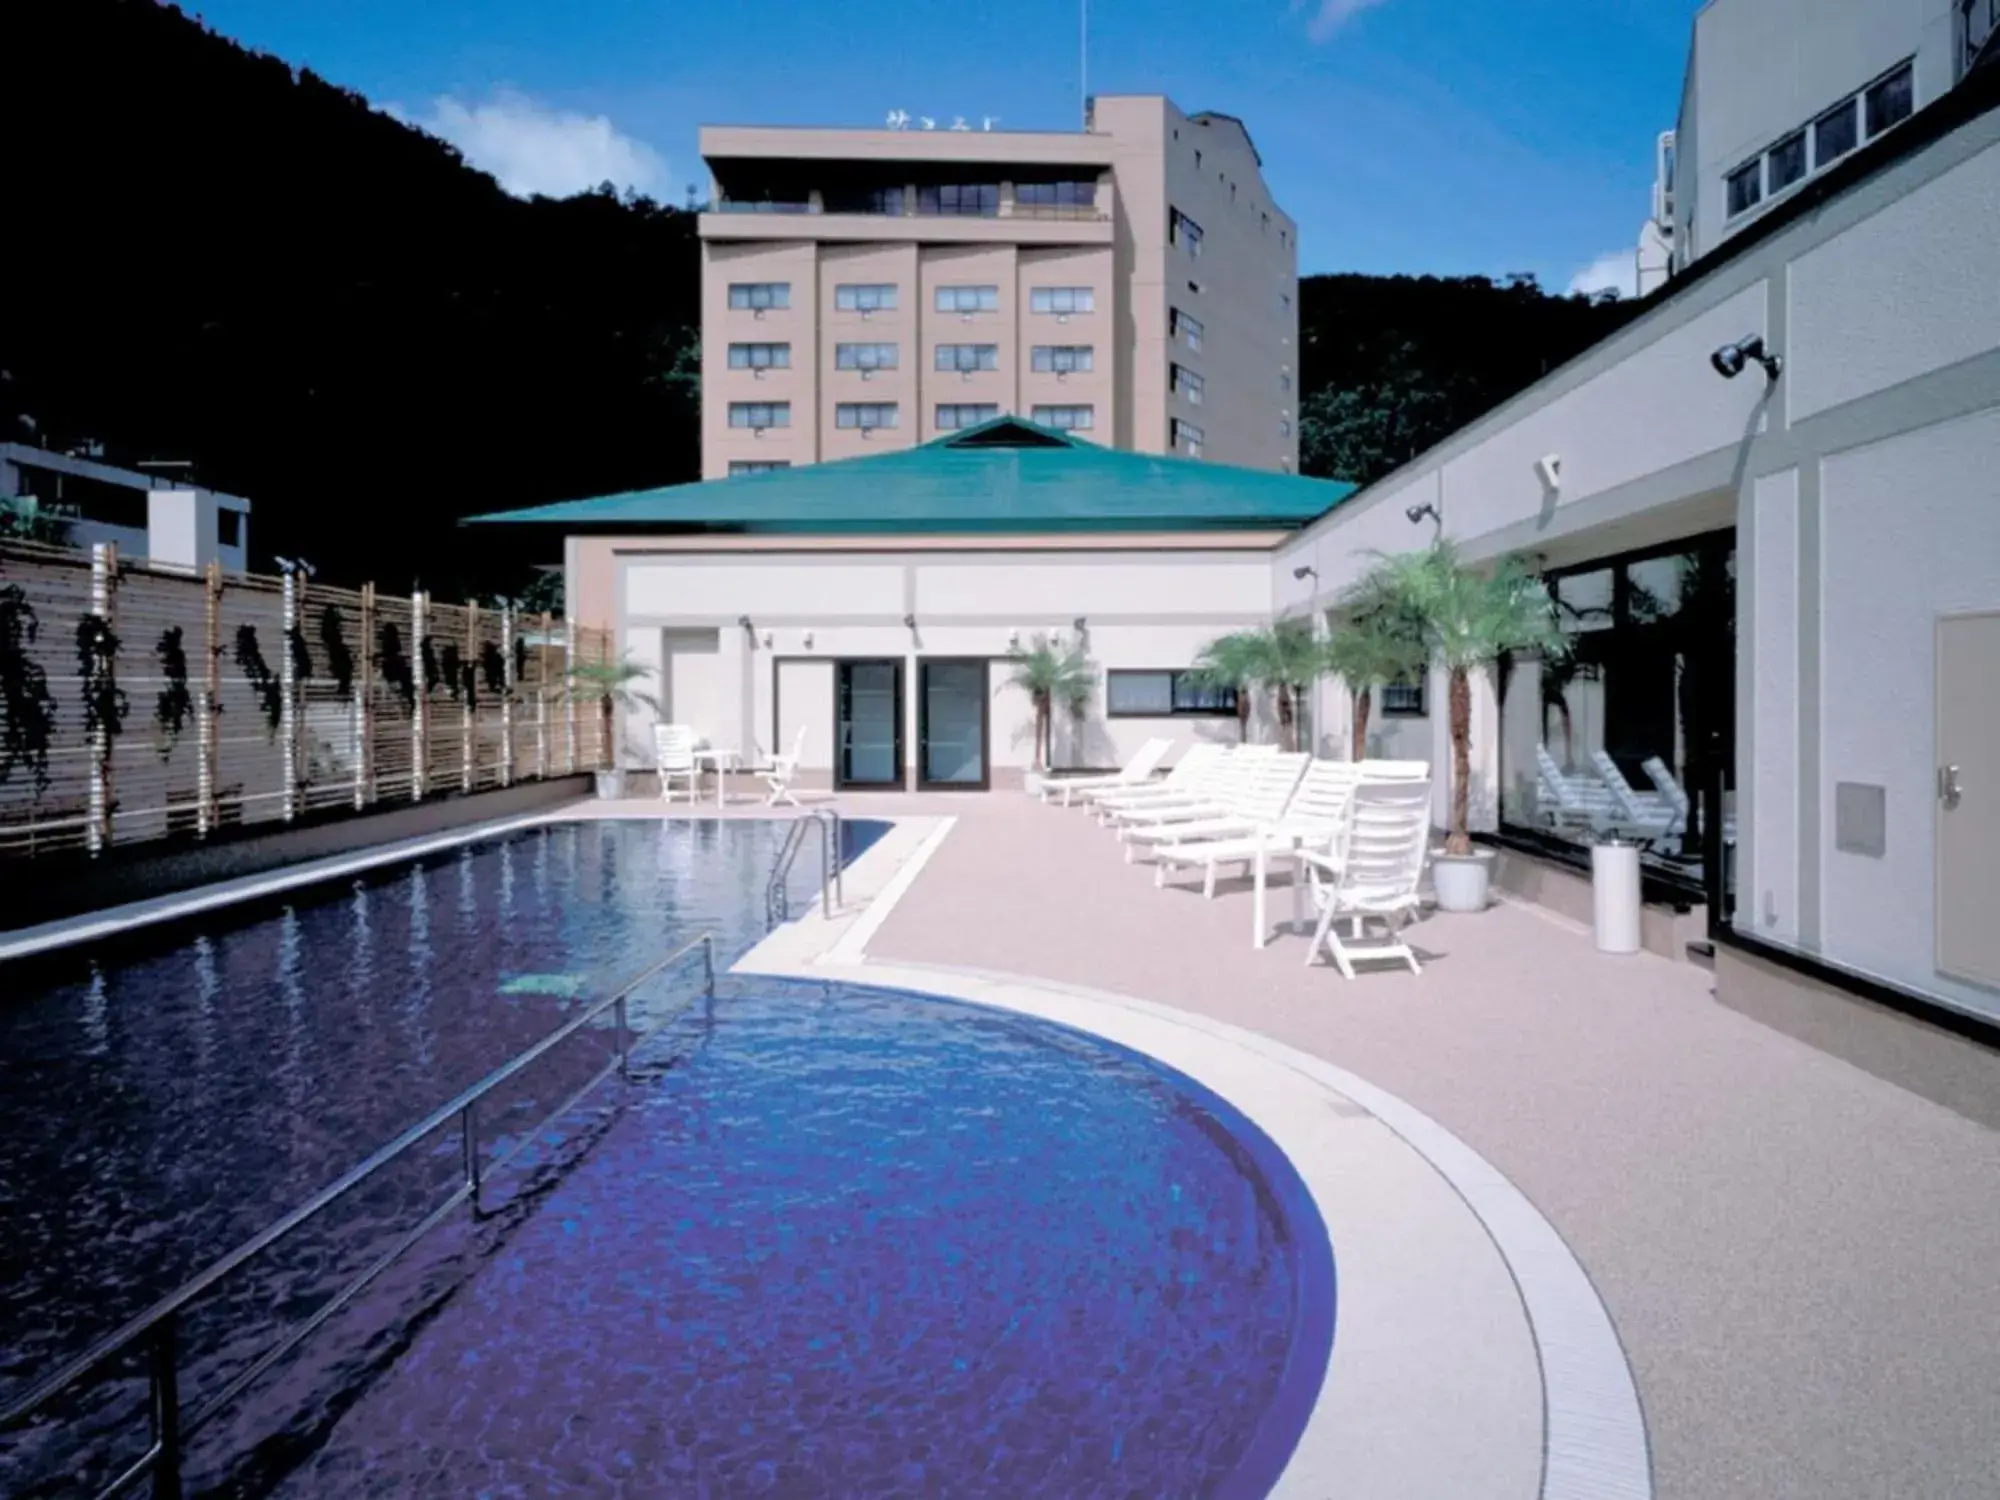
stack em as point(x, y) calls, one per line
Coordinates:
point(1304, 571)
point(910, 622)
point(748, 629)
point(1730, 359)
point(807, 638)
point(295, 565)
point(1082, 625)
point(1014, 639)
point(1416, 513)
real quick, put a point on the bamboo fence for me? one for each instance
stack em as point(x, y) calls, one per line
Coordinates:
point(141, 702)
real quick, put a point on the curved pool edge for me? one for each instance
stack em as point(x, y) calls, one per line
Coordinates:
point(1460, 1370)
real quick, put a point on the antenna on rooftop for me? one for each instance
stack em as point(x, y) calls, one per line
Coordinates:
point(1083, 60)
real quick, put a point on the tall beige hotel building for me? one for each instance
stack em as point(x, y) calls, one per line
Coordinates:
point(864, 290)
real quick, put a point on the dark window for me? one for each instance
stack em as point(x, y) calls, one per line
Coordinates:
point(1890, 101)
point(756, 466)
point(760, 414)
point(1834, 134)
point(865, 297)
point(760, 356)
point(865, 415)
point(1403, 700)
point(973, 199)
point(1746, 186)
point(758, 295)
point(1056, 195)
point(1062, 300)
point(1186, 383)
point(1788, 162)
point(1065, 418)
point(1187, 329)
point(954, 415)
point(965, 358)
point(1183, 231)
point(228, 527)
point(1164, 694)
point(968, 299)
point(864, 356)
point(1062, 359)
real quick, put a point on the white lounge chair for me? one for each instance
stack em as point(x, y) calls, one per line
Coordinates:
point(673, 755)
point(1192, 773)
point(1314, 818)
point(1209, 793)
point(778, 774)
point(1372, 877)
point(1565, 799)
point(1645, 817)
point(1257, 801)
point(1137, 771)
point(1675, 796)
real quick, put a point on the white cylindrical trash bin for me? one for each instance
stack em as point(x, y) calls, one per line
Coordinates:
point(1614, 889)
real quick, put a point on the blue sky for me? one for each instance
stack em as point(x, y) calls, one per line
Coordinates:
point(1403, 135)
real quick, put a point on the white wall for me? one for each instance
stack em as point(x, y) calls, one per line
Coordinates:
point(1910, 530)
point(1768, 871)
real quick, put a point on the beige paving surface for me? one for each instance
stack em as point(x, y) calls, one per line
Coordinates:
point(1803, 1261)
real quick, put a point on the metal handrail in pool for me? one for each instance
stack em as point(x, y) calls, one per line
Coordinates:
point(156, 1327)
point(777, 900)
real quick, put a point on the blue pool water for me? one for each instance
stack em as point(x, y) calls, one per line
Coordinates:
point(832, 1241)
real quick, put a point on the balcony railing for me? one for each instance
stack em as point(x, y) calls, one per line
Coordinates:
point(1005, 209)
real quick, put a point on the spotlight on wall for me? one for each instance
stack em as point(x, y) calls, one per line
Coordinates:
point(295, 565)
point(769, 637)
point(1416, 513)
point(1305, 570)
point(748, 629)
point(1549, 469)
point(909, 622)
point(1082, 625)
point(1014, 639)
point(807, 640)
point(1730, 359)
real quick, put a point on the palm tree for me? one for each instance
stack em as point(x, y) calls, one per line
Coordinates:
point(1372, 644)
point(1051, 673)
point(611, 682)
point(1469, 617)
point(1282, 658)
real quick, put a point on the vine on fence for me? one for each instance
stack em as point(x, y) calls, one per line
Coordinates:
point(339, 660)
point(395, 666)
point(257, 672)
point(448, 667)
point(24, 691)
point(494, 665)
point(175, 704)
point(104, 702)
point(302, 662)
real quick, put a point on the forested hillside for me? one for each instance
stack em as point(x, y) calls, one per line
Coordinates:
point(214, 256)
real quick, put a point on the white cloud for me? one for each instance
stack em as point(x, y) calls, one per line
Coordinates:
point(1614, 270)
point(531, 148)
point(1331, 15)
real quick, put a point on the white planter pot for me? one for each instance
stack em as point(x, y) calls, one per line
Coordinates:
point(610, 785)
point(1462, 881)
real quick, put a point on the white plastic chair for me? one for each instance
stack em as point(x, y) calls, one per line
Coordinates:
point(1372, 877)
point(1137, 771)
point(1259, 798)
point(673, 756)
point(1648, 816)
point(779, 773)
point(1315, 818)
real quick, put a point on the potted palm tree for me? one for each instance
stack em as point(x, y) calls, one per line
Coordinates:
point(1469, 616)
point(1053, 675)
point(1372, 644)
point(1283, 659)
point(612, 684)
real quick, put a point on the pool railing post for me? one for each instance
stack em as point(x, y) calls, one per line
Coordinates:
point(165, 1384)
point(708, 961)
point(624, 1051)
point(469, 1140)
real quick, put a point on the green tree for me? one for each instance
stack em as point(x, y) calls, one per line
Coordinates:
point(1371, 643)
point(1052, 674)
point(612, 684)
point(1282, 658)
point(1470, 616)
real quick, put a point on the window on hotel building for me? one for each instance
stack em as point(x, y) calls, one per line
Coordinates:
point(1183, 231)
point(1836, 133)
point(1062, 359)
point(741, 466)
point(1186, 437)
point(1147, 694)
point(1746, 187)
point(1186, 329)
point(1403, 700)
point(953, 415)
point(1889, 100)
point(756, 296)
point(1285, 380)
point(1066, 418)
point(760, 356)
point(1061, 301)
point(866, 415)
point(968, 299)
point(1185, 383)
point(867, 200)
point(966, 358)
point(760, 414)
point(1787, 163)
point(865, 356)
point(865, 297)
point(964, 199)
point(1055, 195)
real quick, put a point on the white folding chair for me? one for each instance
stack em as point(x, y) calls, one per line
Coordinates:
point(779, 773)
point(673, 756)
point(1372, 876)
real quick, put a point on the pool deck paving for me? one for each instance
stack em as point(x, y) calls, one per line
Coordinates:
point(1798, 1256)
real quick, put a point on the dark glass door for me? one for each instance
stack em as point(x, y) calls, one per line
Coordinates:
point(951, 724)
point(868, 723)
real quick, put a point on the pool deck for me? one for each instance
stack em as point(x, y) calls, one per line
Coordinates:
point(1797, 1255)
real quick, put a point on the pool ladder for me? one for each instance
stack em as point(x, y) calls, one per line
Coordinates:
point(777, 899)
point(149, 1345)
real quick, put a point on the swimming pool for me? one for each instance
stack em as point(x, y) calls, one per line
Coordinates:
point(846, 1242)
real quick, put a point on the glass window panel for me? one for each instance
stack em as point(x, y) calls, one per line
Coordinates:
point(1890, 101)
point(1583, 600)
point(1835, 133)
point(1746, 186)
point(1139, 692)
point(1787, 162)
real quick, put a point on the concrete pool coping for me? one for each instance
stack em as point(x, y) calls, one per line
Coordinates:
point(1472, 1357)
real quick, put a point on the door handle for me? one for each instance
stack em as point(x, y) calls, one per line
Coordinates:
point(1948, 790)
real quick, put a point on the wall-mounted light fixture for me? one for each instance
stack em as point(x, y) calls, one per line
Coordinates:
point(1082, 625)
point(1416, 513)
point(909, 622)
point(295, 565)
point(807, 640)
point(1304, 571)
point(748, 629)
point(769, 637)
point(1549, 469)
point(1730, 359)
point(1014, 638)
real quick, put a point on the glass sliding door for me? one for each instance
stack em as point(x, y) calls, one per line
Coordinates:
point(868, 723)
point(951, 724)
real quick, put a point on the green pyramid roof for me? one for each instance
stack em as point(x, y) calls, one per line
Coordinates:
point(1006, 475)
